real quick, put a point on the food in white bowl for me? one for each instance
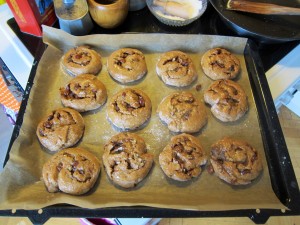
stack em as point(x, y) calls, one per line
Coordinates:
point(177, 12)
point(177, 9)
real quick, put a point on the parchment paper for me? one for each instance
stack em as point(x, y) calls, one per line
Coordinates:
point(21, 184)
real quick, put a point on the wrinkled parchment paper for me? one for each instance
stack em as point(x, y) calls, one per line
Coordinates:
point(21, 184)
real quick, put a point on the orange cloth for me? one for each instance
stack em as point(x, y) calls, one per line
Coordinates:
point(6, 97)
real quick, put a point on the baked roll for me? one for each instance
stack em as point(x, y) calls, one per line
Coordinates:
point(219, 63)
point(62, 128)
point(129, 109)
point(127, 65)
point(73, 171)
point(182, 112)
point(183, 158)
point(176, 68)
point(235, 161)
point(81, 60)
point(83, 93)
point(126, 160)
point(228, 100)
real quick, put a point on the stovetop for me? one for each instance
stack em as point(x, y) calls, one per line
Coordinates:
point(143, 21)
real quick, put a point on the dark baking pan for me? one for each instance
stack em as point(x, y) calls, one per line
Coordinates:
point(265, 28)
point(281, 171)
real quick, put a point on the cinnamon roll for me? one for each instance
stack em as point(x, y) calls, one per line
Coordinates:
point(182, 112)
point(176, 68)
point(83, 93)
point(183, 158)
point(235, 161)
point(72, 170)
point(81, 60)
point(62, 128)
point(126, 160)
point(219, 63)
point(129, 109)
point(127, 65)
point(228, 100)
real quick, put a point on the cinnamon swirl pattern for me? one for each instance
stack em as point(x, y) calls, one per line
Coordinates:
point(81, 60)
point(182, 112)
point(62, 128)
point(127, 65)
point(126, 160)
point(182, 158)
point(73, 171)
point(176, 68)
point(235, 161)
point(219, 63)
point(129, 109)
point(83, 93)
point(228, 100)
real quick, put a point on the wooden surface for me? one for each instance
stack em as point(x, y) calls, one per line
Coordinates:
point(290, 124)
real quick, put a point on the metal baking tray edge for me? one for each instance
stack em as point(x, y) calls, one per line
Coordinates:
point(282, 175)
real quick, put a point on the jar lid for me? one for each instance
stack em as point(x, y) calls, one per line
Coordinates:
point(70, 9)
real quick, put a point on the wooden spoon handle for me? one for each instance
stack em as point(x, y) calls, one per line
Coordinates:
point(261, 8)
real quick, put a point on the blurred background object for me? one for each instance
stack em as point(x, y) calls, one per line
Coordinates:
point(135, 5)
point(108, 13)
point(73, 16)
point(31, 14)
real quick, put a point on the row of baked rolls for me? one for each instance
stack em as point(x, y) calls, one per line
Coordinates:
point(127, 162)
point(124, 65)
point(234, 161)
point(128, 65)
point(129, 109)
point(175, 68)
point(75, 170)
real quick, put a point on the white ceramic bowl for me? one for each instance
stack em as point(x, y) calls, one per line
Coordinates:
point(173, 20)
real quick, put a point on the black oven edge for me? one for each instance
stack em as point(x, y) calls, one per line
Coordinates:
point(283, 178)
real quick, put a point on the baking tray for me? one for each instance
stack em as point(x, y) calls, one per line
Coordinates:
point(281, 172)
